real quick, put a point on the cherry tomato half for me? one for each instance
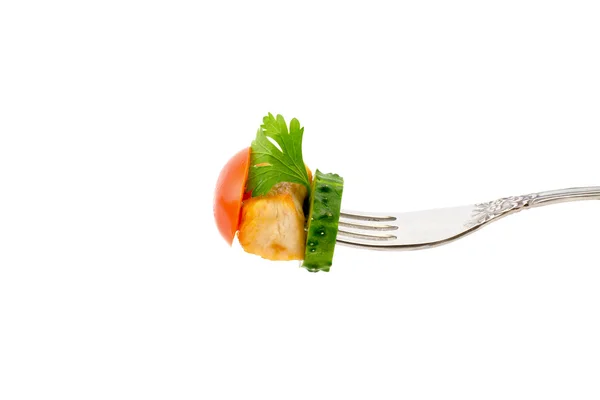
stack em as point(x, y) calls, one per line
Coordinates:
point(229, 193)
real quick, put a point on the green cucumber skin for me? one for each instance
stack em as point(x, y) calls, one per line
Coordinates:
point(323, 218)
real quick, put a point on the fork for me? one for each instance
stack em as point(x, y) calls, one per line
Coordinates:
point(430, 228)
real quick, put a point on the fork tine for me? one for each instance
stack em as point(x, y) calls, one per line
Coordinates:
point(359, 216)
point(371, 237)
point(368, 227)
point(374, 241)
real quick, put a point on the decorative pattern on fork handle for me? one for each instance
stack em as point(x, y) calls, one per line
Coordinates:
point(484, 212)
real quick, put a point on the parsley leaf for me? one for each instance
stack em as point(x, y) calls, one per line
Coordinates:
point(270, 164)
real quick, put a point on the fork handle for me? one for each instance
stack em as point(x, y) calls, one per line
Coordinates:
point(564, 195)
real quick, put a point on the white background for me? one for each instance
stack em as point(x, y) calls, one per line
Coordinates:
point(116, 117)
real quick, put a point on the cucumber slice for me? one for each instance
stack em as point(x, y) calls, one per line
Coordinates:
point(323, 218)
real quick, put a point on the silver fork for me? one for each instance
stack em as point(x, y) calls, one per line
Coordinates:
point(430, 228)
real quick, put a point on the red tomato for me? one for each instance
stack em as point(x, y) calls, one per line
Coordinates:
point(229, 193)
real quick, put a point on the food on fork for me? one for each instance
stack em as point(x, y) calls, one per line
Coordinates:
point(265, 193)
point(326, 199)
point(272, 225)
